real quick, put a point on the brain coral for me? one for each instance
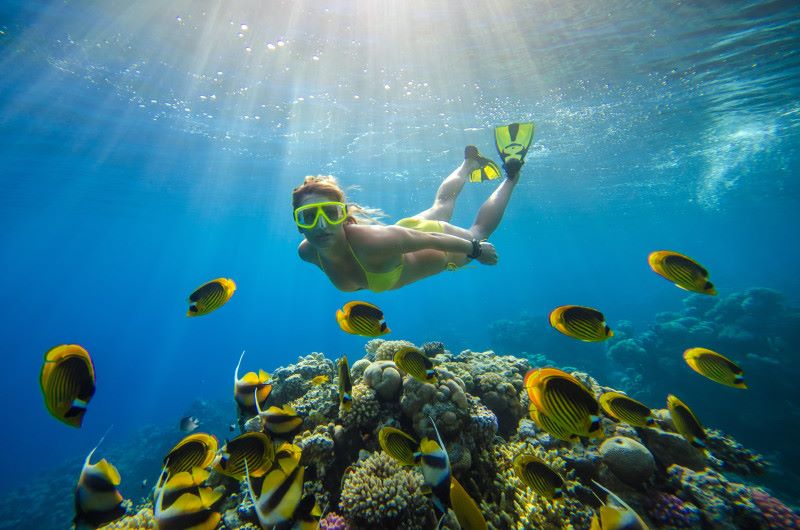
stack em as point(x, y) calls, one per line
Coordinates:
point(629, 460)
point(380, 493)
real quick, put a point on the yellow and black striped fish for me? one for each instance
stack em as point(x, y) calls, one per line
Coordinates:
point(681, 270)
point(362, 318)
point(416, 364)
point(398, 445)
point(538, 476)
point(686, 422)
point(280, 421)
point(582, 323)
point(194, 507)
point(715, 366)
point(174, 486)
point(345, 385)
point(466, 509)
point(254, 447)
point(287, 457)
point(210, 296)
point(280, 495)
point(565, 400)
point(435, 465)
point(68, 382)
point(195, 450)
point(97, 501)
point(307, 514)
point(244, 388)
point(615, 514)
point(544, 422)
point(626, 409)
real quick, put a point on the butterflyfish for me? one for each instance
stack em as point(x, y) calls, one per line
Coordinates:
point(280, 420)
point(435, 464)
point(398, 445)
point(307, 514)
point(189, 424)
point(626, 409)
point(280, 495)
point(253, 447)
point(362, 318)
point(68, 382)
point(194, 507)
point(174, 486)
point(686, 422)
point(544, 422)
point(319, 380)
point(715, 366)
point(210, 296)
point(287, 457)
point(615, 514)
point(565, 400)
point(416, 364)
point(97, 501)
point(681, 270)
point(345, 385)
point(195, 450)
point(244, 388)
point(538, 476)
point(582, 323)
point(466, 509)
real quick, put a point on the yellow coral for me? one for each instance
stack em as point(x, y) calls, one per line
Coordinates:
point(142, 520)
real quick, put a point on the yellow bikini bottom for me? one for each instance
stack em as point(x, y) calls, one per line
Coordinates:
point(426, 225)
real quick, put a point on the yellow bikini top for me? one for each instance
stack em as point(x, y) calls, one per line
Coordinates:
point(376, 281)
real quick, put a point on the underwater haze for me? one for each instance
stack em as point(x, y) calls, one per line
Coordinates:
point(149, 147)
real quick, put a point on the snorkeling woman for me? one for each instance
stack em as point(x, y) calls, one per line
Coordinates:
point(378, 257)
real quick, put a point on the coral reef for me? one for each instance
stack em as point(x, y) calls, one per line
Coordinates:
point(480, 406)
point(776, 514)
point(725, 504)
point(380, 493)
point(141, 520)
point(629, 460)
point(668, 511)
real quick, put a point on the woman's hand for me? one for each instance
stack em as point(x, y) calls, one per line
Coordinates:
point(488, 255)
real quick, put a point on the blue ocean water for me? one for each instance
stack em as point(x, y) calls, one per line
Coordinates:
point(147, 148)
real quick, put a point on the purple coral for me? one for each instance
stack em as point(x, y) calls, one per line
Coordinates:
point(333, 521)
point(671, 511)
point(777, 514)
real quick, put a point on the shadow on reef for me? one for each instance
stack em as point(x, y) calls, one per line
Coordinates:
point(481, 408)
point(756, 328)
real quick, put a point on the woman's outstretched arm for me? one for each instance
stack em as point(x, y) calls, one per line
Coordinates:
point(396, 239)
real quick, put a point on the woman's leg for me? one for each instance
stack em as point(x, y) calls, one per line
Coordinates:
point(491, 211)
point(450, 188)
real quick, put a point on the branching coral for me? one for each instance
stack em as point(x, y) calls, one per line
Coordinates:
point(380, 493)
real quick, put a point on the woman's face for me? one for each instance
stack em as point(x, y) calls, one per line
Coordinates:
point(323, 234)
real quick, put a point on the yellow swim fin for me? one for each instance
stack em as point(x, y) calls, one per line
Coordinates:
point(512, 143)
point(486, 170)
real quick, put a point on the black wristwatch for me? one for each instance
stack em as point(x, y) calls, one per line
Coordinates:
point(476, 249)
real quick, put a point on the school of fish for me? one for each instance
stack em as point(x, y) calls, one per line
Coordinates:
point(271, 465)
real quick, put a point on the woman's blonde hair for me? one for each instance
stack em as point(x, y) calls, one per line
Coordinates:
point(327, 186)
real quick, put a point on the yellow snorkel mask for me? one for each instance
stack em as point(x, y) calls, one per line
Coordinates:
point(307, 216)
